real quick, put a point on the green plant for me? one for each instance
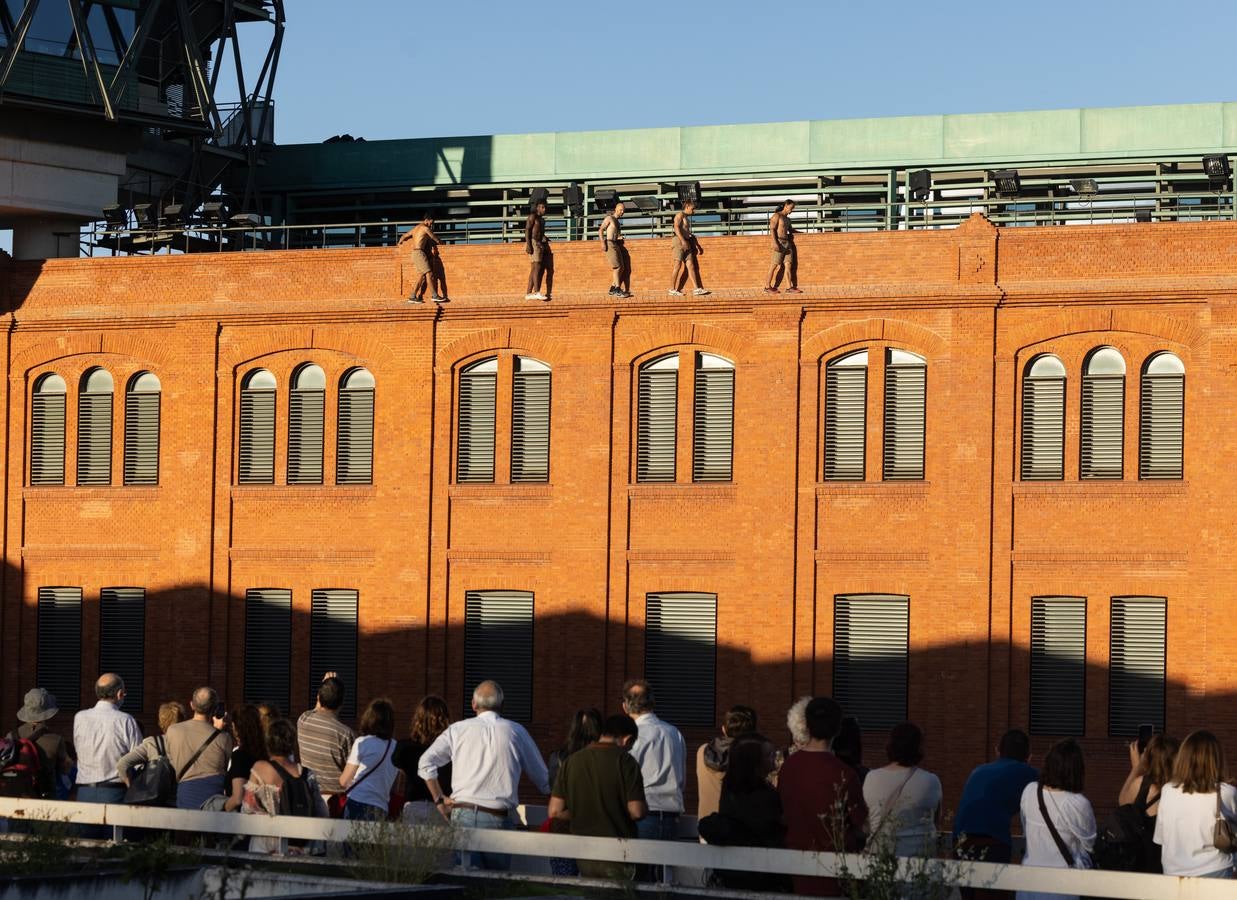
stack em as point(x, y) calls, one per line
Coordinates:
point(37, 846)
point(395, 852)
point(149, 862)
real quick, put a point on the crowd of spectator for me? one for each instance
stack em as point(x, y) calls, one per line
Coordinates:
point(624, 776)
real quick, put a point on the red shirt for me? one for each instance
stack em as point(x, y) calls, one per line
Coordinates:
point(815, 784)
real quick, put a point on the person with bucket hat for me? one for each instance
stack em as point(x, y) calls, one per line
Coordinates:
point(37, 710)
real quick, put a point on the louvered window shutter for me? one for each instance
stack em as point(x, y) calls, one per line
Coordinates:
point(1136, 664)
point(268, 647)
point(1162, 440)
point(354, 457)
point(333, 642)
point(871, 634)
point(94, 439)
point(59, 662)
point(656, 424)
point(498, 645)
point(713, 428)
point(905, 398)
point(142, 438)
point(305, 418)
point(47, 439)
point(475, 451)
point(122, 640)
point(846, 401)
point(1043, 429)
point(530, 427)
point(1103, 426)
point(256, 463)
point(680, 656)
point(1058, 665)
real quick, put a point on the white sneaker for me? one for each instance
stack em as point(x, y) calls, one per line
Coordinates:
point(540, 296)
point(530, 296)
point(700, 292)
point(673, 293)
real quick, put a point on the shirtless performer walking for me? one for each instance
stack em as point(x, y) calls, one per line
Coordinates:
point(611, 234)
point(537, 246)
point(687, 252)
point(785, 256)
point(424, 241)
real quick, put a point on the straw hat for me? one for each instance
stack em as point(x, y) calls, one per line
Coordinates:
point(40, 706)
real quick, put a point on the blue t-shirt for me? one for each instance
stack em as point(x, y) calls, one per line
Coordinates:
point(991, 797)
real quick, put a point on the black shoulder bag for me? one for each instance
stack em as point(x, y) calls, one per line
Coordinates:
point(154, 784)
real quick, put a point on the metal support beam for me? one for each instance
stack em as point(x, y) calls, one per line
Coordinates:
point(15, 44)
point(133, 53)
point(90, 60)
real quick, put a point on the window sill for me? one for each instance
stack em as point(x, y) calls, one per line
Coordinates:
point(522, 490)
point(696, 490)
point(308, 491)
point(1102, 488)
point(91, 492)
point(887, 488)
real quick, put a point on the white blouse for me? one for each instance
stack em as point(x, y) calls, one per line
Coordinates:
point(1075, 821)
point(1185, 828)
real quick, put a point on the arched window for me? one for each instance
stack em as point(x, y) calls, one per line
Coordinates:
point(478, 390)
point(1102, 435)
point(255, 462)
point(713, 426)
point(142, 429)
point(1161, 439)
point(657, 418)
point(354, 432)
point(306, 411)
point(94, 428)
point(1043, 419)
point(906, 383)
point(530, 420)
point(846, 402)
point(47, 430)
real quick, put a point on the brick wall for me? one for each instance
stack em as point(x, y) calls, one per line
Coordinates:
point(970, 544)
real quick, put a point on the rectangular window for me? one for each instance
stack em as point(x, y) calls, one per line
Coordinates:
point(906, 386)
point(713, 428)
point(475, 450)
point(871, 652)
point(306, 415)
point(94, 439)
point(268, 647)
point(256, 459)
point(122, 640)
point(1043, 429)
point(498, 646)
point(1058, 665)
point(1161, 441)
point(47, 438)
point(1136, 664)
point(1102, 427)
point(333, 642)
point(846, 402)
point(58, 666)
point(530, 424)
point(680, 656)
point(354, 458)
point(657, 416)
point(142, 437)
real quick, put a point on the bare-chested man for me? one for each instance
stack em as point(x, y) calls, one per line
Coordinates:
point(537, 246)
point(785, 256)
point(611, 235)
point(424, 244)
point(687, 252)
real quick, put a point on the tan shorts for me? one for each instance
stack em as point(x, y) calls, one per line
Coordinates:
point(779, 255)
point(682, 253)
point(542, 254)
point(421, 260)
point(616, 255)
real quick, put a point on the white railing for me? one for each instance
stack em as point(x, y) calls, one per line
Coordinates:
point(681, 854)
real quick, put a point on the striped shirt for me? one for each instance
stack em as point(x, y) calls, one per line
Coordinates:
point(325, 743)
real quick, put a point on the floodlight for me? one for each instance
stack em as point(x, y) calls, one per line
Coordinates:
point(145, 215)
point(688, 190)
point(1086, 187)
point(538, 195)
point(646, 203)
point(605, 198)
point(117, 217)
point(921, 184)
point(1007, 181)
point(573, 196)
point(215, 211)
point(253, 220)
point(1216, 167)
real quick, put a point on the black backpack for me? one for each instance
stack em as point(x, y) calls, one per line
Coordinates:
point(296, 797)
point(1120, 845)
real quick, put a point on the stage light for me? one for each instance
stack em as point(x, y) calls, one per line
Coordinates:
point(145, 215)
point(573, 196)
point(173, 212)
point(688, 190)
point(605, 198)
point(921, 185)
point(647, 204)
point(1007, 181)
point(117, 218)
point(1086, 187)
point(538, 195)
point(215, 211)
point(1216, 168)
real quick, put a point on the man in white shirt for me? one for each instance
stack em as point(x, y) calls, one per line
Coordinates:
point(102, 735)
point(662, 755)
point(487, 755)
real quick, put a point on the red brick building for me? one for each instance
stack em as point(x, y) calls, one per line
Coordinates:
point(924, 531)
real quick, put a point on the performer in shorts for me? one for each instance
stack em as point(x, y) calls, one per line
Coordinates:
point(424, 242)
point(785, 257)
point(537, 246)
point(611, 235)
point(687, 252)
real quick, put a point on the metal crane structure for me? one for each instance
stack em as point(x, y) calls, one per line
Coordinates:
point(131, 92)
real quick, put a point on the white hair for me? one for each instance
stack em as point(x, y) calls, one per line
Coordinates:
point(796, 721)
point(488, 695)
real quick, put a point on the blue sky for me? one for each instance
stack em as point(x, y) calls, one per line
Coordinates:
point(396, 68)
point(407, 68)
